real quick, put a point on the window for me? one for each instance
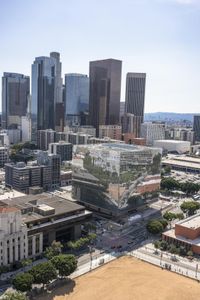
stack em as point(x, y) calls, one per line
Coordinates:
point(37, 244)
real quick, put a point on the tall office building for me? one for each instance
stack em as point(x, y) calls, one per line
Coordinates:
point(135, 95)
point(46, 92)
point(15, 94)
point(77, 97)
point(105, 89)
point(196, 128)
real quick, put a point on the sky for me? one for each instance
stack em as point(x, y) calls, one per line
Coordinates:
point(158, 37)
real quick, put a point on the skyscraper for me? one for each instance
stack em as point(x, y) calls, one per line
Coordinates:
point(135, 95)
point(46, 92)
point(15, 95)
point(105, 89)
point(196, 128)
point(77, 96)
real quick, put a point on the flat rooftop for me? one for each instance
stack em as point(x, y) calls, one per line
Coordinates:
point(27, 204)
point(173, 142)
point(185, 161)
point(192, 222)
point(122, 147)
point(171, 233)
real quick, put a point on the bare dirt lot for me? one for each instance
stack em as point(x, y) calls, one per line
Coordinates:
point(128, 279)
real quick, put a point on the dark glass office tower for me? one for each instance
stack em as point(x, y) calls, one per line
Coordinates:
point(135, 95)
point(77, 97)
point(105, 89)
point(15, 95)
point(46, 92)
point(196, 128)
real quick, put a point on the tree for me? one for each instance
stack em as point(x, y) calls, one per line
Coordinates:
point(23, 282)
point(183, 251)
point(65, 264)
point(13, 296)
point(163, 245)
point(168, 215)
point(167, 169)
point(180, 216)
point(190, 207)
point(173, 249)
point(190, 253)
point(157, 244)
point(164, 223)
point(154, 226)
point(43, 273)
point(54, 250)
point(26, 262)
point(190, 187)
point(169, 184)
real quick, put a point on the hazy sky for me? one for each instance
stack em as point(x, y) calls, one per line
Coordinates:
point(159, 37)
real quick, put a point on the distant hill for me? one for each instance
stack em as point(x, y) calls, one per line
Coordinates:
point(168, 116)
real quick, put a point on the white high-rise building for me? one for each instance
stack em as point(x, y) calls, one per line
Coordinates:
point(13, 236)
point(152, 131)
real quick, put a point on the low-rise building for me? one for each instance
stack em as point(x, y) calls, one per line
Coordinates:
point(30, 224)
point(43, 173)
point(4, 156)
point(110, 131)
point(152, 131)
point(63, 149)
point(13, 235)
point(183, 163)
point(186, 233)
point(172, 146)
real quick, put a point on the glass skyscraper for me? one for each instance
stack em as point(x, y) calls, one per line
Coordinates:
point(46, 92)
point(105, 89)
point(15, 97)
point(135, 96)
point(77, 96)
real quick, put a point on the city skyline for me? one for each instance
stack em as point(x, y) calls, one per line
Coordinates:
point(157, 37)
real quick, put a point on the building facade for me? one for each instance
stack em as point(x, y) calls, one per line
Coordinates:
point(135, 96)
point(196, 127)
point(44, 138)
point(15, 94)
point(113, 177)
point(47, 91)
point(13, 236)
point(105, 89)
point(110, 131)
point(152, 131)
point(63, 149)
point(31, 223)
point(77, 97)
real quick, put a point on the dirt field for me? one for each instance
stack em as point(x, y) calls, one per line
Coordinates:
point(129, 279)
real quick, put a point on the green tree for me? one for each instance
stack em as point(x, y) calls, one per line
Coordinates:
point(190, 253)
point(43, 273)
point(173, 249)
point(154, 226)
point(53, 250)
point(183, 251)
point(23, 282)
point(190, 187)
point(26, 262)
point(13, 296)
point(180, 216)
point(190, 207)
point(169, 216)
point(156, 244)
point(169, 184)
point(167, 169)
point(65, 264)
point(163, 245)
point(163, 222)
